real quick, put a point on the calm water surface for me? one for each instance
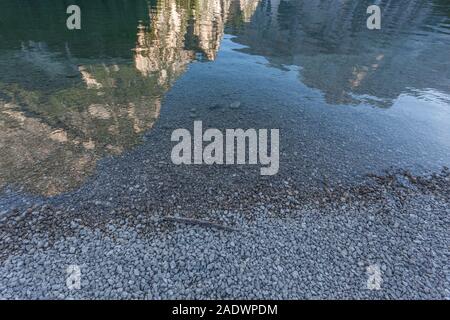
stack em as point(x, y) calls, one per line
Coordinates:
point(348, 100)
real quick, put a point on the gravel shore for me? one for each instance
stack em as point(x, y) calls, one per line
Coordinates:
point(280, 247)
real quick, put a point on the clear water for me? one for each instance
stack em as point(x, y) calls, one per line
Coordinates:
point(347, 100)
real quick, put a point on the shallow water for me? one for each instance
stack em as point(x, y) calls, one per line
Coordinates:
point(347, 100)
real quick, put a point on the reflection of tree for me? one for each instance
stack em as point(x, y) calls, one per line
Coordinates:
point(61, 110)
point(347, 62)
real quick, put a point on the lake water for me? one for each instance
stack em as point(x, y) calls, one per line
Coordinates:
point(347, 100)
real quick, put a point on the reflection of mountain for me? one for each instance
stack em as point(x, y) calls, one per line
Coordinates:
point(341, 57)
point(177, 34)
point(51, 139)
point(61, 109)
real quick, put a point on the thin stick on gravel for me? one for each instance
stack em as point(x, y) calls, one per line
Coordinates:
point(199, 222)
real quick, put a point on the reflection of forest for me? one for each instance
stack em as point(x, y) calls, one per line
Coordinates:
point(66, 100)
point(347, 62)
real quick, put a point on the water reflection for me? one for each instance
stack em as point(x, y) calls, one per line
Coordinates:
point(347, 62)
point(65, 103)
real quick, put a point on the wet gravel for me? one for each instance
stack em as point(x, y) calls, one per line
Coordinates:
point(281, 246)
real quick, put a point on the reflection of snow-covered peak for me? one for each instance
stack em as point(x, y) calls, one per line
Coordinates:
point(177, 33)
point(248, 8)
point(160, 46)
point(209, 26)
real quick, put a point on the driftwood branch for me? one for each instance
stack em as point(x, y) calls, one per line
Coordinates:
point(203, 223)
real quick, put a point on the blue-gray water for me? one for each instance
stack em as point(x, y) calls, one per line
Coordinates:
point(348, 100)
